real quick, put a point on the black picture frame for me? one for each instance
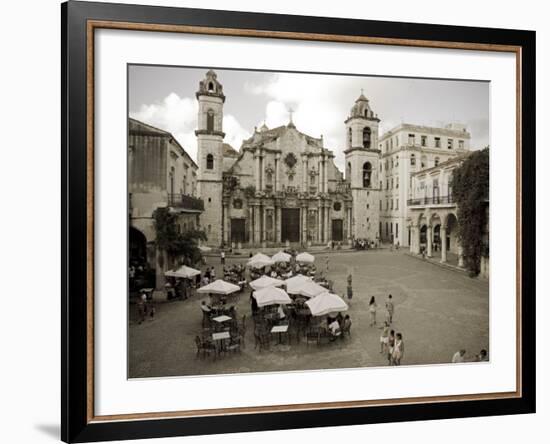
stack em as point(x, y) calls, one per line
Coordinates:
point(76, 328)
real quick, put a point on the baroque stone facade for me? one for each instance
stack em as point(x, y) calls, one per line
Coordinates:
point(282, 186)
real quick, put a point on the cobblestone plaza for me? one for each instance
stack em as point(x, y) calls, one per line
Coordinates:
point(438, 310)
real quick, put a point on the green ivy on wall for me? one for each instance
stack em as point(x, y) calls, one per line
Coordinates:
point(470, 186)
point(175, 243)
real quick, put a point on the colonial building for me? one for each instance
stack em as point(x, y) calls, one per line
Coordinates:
point(406, 150)
point(432, 221)
point(160, 174)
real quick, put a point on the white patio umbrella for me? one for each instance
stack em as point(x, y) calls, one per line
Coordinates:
point(294, 283)
point(271, 296)
point(184, 272)
point(281, 256)
point(204, 248)
point(305, 257)
point(265, 281)
point(219, 286)
point(259, 256)
point(310, 289)
point(326, 303)
point(260, 263)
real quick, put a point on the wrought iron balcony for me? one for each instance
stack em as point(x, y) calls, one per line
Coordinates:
point(186, 202)
point(435, 200)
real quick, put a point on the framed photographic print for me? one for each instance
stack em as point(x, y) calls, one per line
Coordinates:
point(276, 221)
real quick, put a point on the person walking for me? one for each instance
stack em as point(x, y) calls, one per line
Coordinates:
point(326, 263)
point(222, 257)
point(372, 311)
point(398, 349)
point(390, 308)
point(391, 345)
point(384, 338)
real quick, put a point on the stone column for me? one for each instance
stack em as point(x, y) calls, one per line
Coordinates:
point(257, 238)
point(460, 256)
point(264, 226)
point(278, 224)
point(304, 173)
point(250, 224)
point(327, 224)
point(322, 175)
point(350, 222)
point(277, 186)
point(429, 231)
point(320, 216)
point(325, 175)
point(443, 236)
point(257, 168)
point(304, 224)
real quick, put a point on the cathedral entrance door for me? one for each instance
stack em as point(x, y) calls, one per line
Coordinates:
point(337, 230)
point(237, 230)
point(290, 224)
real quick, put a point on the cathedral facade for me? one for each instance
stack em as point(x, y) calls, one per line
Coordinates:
point(282, 186)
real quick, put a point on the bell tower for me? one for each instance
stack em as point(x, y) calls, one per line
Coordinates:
point(210, 137)
point(362, 168)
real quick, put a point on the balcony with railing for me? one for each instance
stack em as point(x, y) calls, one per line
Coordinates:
point(185, 202)
point(434, 200)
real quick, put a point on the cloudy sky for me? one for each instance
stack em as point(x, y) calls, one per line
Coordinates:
point(165, 97)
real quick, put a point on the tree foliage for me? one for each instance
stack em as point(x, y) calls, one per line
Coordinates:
point(470, 186)
point(175, 243)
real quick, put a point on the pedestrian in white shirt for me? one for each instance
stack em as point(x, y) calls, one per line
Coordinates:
point(458, 357)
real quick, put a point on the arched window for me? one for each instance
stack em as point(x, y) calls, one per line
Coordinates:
point(436, 161)
point(210, 120)
point(367, 172)
point(210, 87)
point(366, 137)
point(349, 137)
point(413, 160)
point(210, 162)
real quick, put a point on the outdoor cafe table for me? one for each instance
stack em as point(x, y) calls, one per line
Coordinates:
point(220, 339)
point(280, 329)
point(222, 318)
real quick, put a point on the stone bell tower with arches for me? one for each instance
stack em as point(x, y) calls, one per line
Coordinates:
point(210, 137)
point(362, 168)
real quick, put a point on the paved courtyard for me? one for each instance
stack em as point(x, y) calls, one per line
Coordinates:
point(438, 311)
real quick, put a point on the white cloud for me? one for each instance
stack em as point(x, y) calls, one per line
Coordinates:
point(178, 115)
point(317, 103)
point(234, 132)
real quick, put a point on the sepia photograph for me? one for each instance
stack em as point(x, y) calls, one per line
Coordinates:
point(298, 221)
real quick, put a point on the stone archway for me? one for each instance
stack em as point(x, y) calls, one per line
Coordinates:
point(450, 246)
point(433, 244)
point(137, 247)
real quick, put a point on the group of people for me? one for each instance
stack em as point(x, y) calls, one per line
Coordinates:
point(460, 356)
point(365, 244)
point(391, 343)
point(336, 326)
point(233, 273)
